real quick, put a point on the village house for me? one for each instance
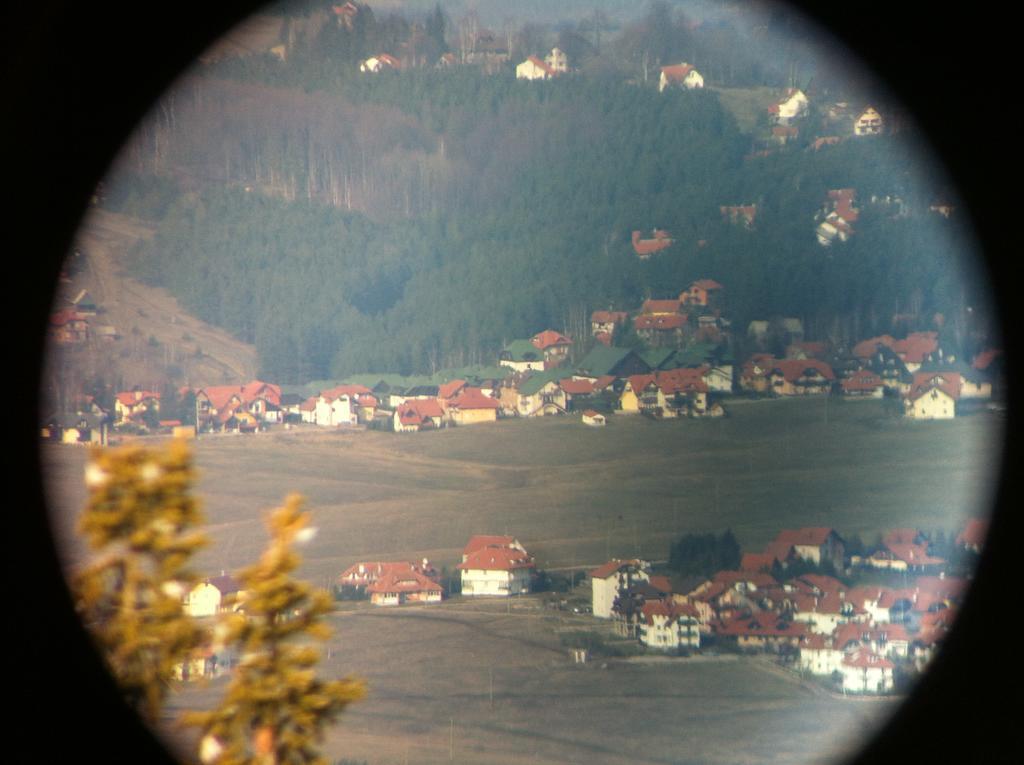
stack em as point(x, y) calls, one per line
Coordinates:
point(471, 406)
point(617, 362)
point(212, 596)
point(744, 215)
point(578, 393)
point(763, 630)
point(534, 68)
point(540, 395)
point(933, 396)
point(557, 60)
point(398, 586)
point(608, 581)
point(83, 428)
point(800, 377)
point(495, 565)
point(361, 575)
point(790, 107)
point(661, 330)
point(868, 122)
point(604, 324)
point(866, 672)
point(418, 414)
point(705, 293)
point(817, 545)
point(69, 326)
point(554, 345)
point(819, 655)
point(522, 356)
point(863, 383)
point(669, 626)
point(644, 248)
point(681, 75)
point(131, 405)
point(593, 418)
point(379, 63)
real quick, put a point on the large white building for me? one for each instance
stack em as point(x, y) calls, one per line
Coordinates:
point(609, 580)
point(495, 565)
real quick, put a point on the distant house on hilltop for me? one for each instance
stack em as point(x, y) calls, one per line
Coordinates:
point(534, 68)
point(680, 76)
point(791, 106)
point(644, 248)
point(868, 122)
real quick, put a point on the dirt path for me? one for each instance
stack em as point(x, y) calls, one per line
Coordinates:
point(149, 315)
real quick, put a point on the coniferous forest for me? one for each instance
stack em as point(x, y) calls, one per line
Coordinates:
point(414, 220)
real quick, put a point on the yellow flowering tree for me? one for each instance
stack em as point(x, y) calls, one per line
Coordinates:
point(275, 708)
point(139, 522)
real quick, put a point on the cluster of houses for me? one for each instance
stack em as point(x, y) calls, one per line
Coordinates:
point(855, 636)
point(685, 369)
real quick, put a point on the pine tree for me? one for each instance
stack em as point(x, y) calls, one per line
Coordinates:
point(139, 521)
point(275, 709)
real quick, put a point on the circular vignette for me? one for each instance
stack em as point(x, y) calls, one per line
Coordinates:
point(81, 77)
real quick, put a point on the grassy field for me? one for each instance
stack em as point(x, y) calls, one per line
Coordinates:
point(575, 496)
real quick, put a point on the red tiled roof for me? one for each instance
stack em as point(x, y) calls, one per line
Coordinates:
point(604, 317)
point(756, 561)
point(496, 559)
point(480, 541)
point(449, 389)
point(542, 65)
point(793, 369)
point(916, 346)
point(866, 659)
point(654, 307)
point(220, 395)
point(398, 580)
point(549, 338)
point(707, 284)
point(603, 382)
point(576, 387)
point(864, 380)
point(421, 408)
point(983, 359)
point(660, 241)
point(764, 624)
point(924, 382)
point(260, 389)
point(672, 611)
point(974, 533)
point(676, 72)
point(757, 578)
point(474, 398)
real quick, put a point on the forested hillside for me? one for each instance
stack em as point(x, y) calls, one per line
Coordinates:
point(413, 220)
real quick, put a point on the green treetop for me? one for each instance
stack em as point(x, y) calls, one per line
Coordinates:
point(275, 709)
point(138, 522)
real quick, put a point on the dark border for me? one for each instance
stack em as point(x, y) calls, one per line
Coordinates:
point(76, 78)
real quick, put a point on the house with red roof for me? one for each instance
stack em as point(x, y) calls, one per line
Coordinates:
point(495, 565)
point(69, 326)
point(661, 330)
point(669, 626)
point(554, 345)
point(703, 293)
point(604, 324)
point(397, 586)
point(743, 215)
point(864, 671)
point(608, 581)
point(863, 384)
point(973, 535)
point(763, 630)
point(820, 655)
point(680, 75)
point(534, 68)
point(800, 377)
point(132, 404)
point(815, 544)
point(791, 106)
point(645, 248)
point(418, 414)
point(933, 396)
point(593, 418)
point(379, 63)
point(472, 406)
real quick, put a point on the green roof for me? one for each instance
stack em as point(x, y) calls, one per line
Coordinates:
point(522, 350)
point(602, 360)
point(538, 380)
point(657, 358)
